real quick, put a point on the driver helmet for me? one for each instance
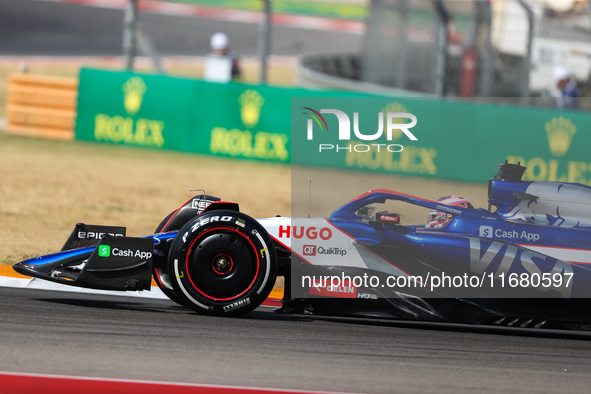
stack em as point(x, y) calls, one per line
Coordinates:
point(438, 219)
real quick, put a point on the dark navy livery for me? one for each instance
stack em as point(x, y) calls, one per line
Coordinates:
point(522, 262)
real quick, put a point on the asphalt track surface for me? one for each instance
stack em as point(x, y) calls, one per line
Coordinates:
point(62, 333)
point(42, 28)
point(53, 332)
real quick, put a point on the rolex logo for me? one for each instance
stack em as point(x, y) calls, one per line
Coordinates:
point(133, 94)
point(395, 107)
point(250, 107)
point(560, 134)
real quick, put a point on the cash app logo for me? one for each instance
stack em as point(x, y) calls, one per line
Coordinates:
point(104, 251)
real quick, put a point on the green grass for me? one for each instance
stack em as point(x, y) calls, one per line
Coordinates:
point(48, 186)
point(304, 7)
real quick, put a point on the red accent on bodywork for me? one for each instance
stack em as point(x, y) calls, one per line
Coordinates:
point(344, 290)
point(163, 229)
point(347, 234)
point(158, 278)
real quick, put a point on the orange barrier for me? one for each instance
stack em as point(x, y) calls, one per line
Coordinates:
point(42, 106)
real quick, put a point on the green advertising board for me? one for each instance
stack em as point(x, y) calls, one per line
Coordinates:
point(126, 108)
point(433, 154)
point(456, 141)
point(232, 120)
point(179, 114)
point(553, 144)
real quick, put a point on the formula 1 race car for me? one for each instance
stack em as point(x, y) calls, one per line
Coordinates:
point(523, 265)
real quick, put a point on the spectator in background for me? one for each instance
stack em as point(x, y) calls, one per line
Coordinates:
point(569, 92)
point(220, 46)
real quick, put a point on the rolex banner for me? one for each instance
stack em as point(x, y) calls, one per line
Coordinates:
point(182, 114)
point(232, 120)
point(457, 141)
point(440, 138)
point(126, 108)
point(553, 144)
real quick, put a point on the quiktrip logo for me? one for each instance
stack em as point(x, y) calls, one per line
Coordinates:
point(332, 251)
point(309, 250)
point(394, 122)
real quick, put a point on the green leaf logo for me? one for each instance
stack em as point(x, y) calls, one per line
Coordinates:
point(104, 251)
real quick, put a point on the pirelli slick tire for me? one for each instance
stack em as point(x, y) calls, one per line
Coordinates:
point(223, 263)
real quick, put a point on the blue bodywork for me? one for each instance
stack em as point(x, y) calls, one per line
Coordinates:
point(530, 229)
point(479, 242)
point(82, 253)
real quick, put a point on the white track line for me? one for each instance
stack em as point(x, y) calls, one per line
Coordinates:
point(40, 284)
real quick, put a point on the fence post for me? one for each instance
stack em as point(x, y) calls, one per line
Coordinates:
point(403, 41)
point(265, 40)
point(371, 57)
point(487, 71)
point(146, 47)
point(440, 69)
point(129, 33)
point(527, 60)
